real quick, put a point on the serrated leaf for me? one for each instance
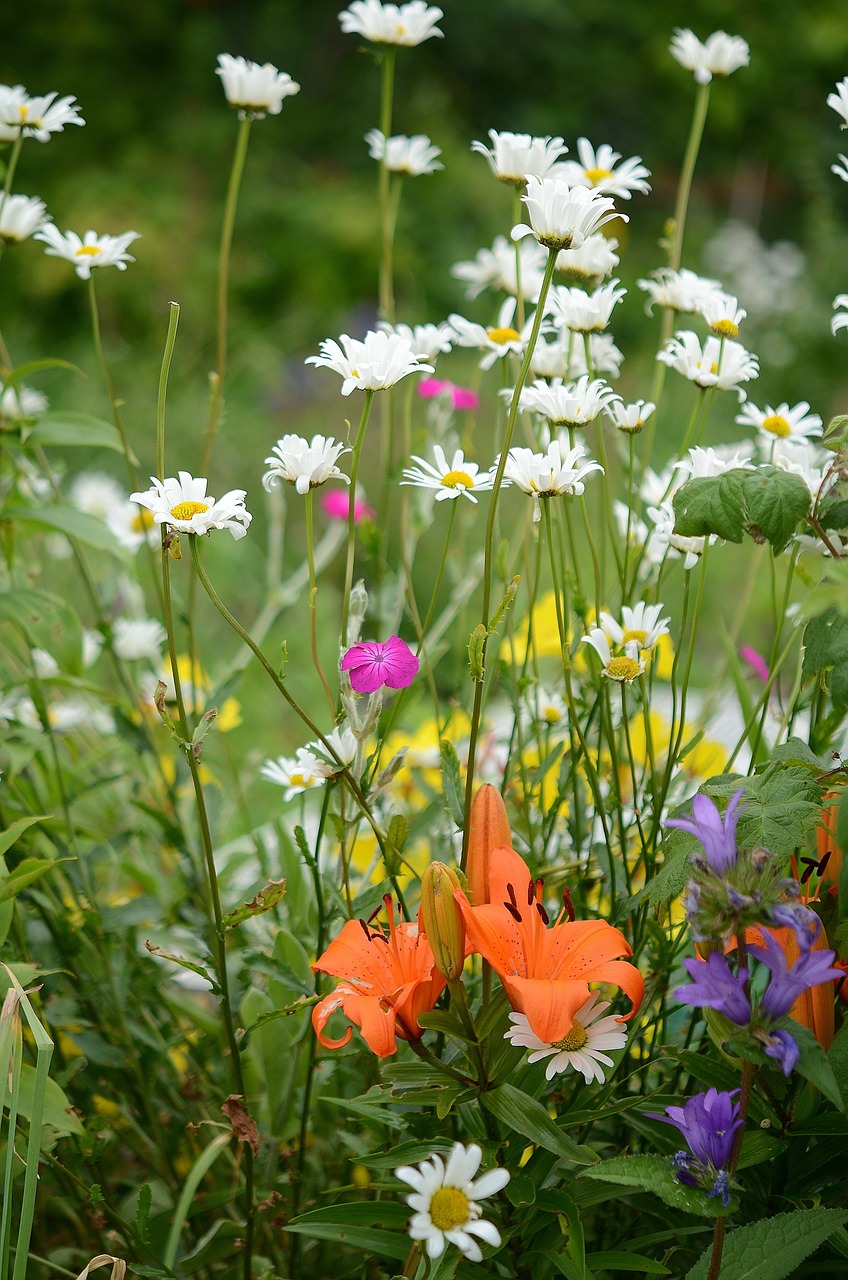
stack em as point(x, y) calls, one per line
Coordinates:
point(838, 1058)
point(85, 528)
point(83, 430)
point(452, 782)
point(655, 1174)
point(524, 1115)
point(826, 650)
point(713, 504)
point(265, 900)
point(767, 503)
point(773, 1247)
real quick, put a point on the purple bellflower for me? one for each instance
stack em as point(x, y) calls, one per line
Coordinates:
point(715, 986)
point(716, 834)
point(709, 1122)
point(785, 984)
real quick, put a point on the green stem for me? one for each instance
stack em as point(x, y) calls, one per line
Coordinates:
point(386, 282)
point(164, 372)
point(351, 518)
point(313, 592)
point(110, 391)
point(217, 378)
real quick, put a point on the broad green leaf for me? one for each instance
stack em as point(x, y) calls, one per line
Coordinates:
point(773, 1247)
point(359, 1225)
point(765, 503)
point(655, 1174)
point(617, 1260)
point(826, 650)
point(838, 1059)
point(13, 833)
point(524, 1115)
point(24, 371)
point(25, 874)
point(265, 900)
point(814, 1065)
point(48, 622)
point(57, 1113)
point(452, 783)
point(65, 430)
point(74, 524)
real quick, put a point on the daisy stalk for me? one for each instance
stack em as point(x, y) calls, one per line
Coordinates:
point(351, 518)
point(387, 216)
point(490, 537)
point(313, 592)
point(217, 378)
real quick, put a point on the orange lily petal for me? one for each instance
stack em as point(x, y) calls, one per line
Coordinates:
point(549, 1006)
point(495, 935)
point(321, 1015)
point(376, 1023)
point(624, 975)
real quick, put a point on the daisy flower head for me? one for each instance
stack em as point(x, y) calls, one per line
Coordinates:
point(606, 356)
point(406, 24)
point(585, 312)
point(782, 423)
point(597, 168)
point(374, 665)
point(570, 404)
point(582, 1048)
point(446, 1201)
point(183, 504)
point(21, 217)
point(841, 170)
point(22, 115)
point(624, 667)
point(840, 320)
point(552, 359)
point(135, 639)
point(256, 89)
point(803, 458)
point(296, 774)
point(427, 340)
point(449, 479)
point(513, 156)
point(90, 251)
point(376, 363)
point(413, 156)
point(562, 216)
point(839, 102)
point(547, 475)
point(304, 463)
point(664, 541)
point(629, 418)
point(591, 263)
point(640, 624)
point(719, 55)
point(702, 464)
point(722, 313)
point(682, 290)
point(495, 268)
point(495, 340)
point(723, 364)
point(131, 525)
point(18, 402)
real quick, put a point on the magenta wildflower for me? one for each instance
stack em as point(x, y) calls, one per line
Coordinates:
point(461, 397)
point(336, 504)
point(755, 661)
point(373, 664)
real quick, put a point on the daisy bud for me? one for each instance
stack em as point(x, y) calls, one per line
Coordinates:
point(489, 829)
point(443, 921)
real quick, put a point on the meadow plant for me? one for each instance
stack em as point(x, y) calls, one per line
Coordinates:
point(451, 949)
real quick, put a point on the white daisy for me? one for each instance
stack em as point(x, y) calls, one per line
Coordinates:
point(406, 24)
point(376, 363)
point(449, 479)
point(640, 624)
point(581, 1049)
point(841, 170)
point(722, 313)
point(585, 312)
point(91, 251)
point(592, 262)
point(719, 55)
point(629, 418)
point(664, 541)
point(571, 404)
point(840, 320)
point(96, 493)
point(682, 290)
point(495, 340)
point(548, 708)
point(795, 423)
point(809, 461)
point(184, 505)
point(305, 463)
point(606, 356)
point(514, 156)
point(598, 169)
point(34, 117)
point(446, 1201)
point(135, 639)
point(495, 268)
point(345, 746)
point(427, 340)
point(92, 643)
point(719, 363)
point(22, 402)
point(132, 525)
point(624, 667)
point(561, 216)
point(298, 774)
point(257, 89)
point(703, 463)
point(547, 475)
point(553, 359)
point(839, 101)
point(413, 156)
point(21, 217)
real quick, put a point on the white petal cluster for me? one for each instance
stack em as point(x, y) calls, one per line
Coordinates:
point(719, 55)
point(717, 364)
point(512, 156)
point(256, 89)
point(183, 504)
point(803, 458)
point(21, 217)
point(585, 312)
point(495, 340)
point(840, 319)
point(622, 668)
point(601, 1033)
point(446, 1200)
point(703, 464)
point(495, 268)
point(559, 470)
point(136, 639)
point(22, 115)
point(406, 24)
point(413, 156)
point(592, 262)
point(782, 423)
point(90, 251)
point(376, 363)
point(562, 216)
point(21, 402)
point(839, 102)
point(664, 541)
point(629, 418)
point(569, 404)
point(313, 764)
point(450, 479)
point(640, 624)
point(427, 340)
point(722, 313)
point(682, 290)
point(597, 168)
point(304, 463)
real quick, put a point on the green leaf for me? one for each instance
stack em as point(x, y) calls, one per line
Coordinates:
point(48, 622)
point(617, 1260)
point(773, 1247)
point(452, 783)
point(142, 1212)
point(57, 1114)
point(765, 503)
point(265, 900)
point(359, 1226)
point(826, 650)
point(25, 874)
point(838, 1059)
point(655, 1174)
point(814, 1065)
point(524, 1115)
point(24, 371)
point(182, 962)
point(13, 833)
point(74, 524)
point(65, 430)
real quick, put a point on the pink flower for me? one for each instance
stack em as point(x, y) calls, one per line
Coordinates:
point(755, 661)
point(462, 397)
point(336, 503)
point(373, 665)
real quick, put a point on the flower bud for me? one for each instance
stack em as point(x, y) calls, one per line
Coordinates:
point(442, 918)
point(488, 830)
point(826, 840)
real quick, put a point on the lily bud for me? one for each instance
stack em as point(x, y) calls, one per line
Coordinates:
point(826, 840)
point(442, 919)
point(488, 830)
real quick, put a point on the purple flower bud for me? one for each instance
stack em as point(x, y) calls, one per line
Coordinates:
point(784, 1049)
point(716, 835)
point(715, 986)
point(803, 922)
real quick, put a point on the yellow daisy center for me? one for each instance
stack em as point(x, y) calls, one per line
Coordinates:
point(400, 29)
point(87, 251)
point(714, 367)
point(777, 425)
point(186, 510)
point(142, 522)
point(725, 329)
point(575, 1039)
point(501, 336)
point(624, 668)
point(299, 779)
point(597, 175)
point(551, 715)
point(449, 1208)
point(23, 112)
point(638, 637)
point(455, 479)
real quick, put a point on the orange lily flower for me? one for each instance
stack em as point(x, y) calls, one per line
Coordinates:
point(826, 841)
point(386, 983)
point(545, 971)
point(488, 829)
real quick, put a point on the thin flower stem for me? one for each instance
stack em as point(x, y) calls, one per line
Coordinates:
point(351, 518)
point(313, 592)
point(216, 397)
point(164, 373)
point(110, 391)
point(519, 296)
point(490, 537)
point(627, 590)
point(386, 282)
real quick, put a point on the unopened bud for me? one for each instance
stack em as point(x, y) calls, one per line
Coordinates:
point(357, 611)
point(442, 918)
point(488, 830)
